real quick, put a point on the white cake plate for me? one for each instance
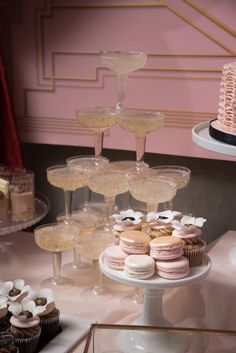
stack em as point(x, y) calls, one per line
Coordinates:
point(152, 312)
point(200, 135)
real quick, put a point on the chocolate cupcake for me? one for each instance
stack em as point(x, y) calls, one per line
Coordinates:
point(25, 325)
point(49, 314)
point(7, 343)
point(4, 320)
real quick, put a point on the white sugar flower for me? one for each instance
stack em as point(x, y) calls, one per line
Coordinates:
point(14, 290)
point(162, 217)
point(128, 217)
point(188, 223)
point(26, 310)
point(43, 298)
point(3, 306)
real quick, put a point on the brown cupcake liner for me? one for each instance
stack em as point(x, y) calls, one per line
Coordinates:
point(29, 344)
point(195, 256)
point(49, 326)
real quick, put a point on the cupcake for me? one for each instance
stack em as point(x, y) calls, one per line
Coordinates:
point(126, 220)
point(4, 320)
point(188, 230)
point(7, 343)
point(160, 223)
point(49, 315)
point(25, 325)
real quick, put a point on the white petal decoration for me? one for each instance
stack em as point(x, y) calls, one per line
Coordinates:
point(15, 308)
point(128, 217)
point(19, 284)
point(3, 302)
point(200, 221)
point(6, 287)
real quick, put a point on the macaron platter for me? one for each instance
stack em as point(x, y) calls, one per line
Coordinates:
point(195, 274)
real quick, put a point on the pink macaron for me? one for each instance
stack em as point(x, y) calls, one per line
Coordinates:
point(166, 248)
point(115, 257)
point(134, 242)
point(173, 269)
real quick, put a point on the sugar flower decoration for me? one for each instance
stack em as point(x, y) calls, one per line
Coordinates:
point(26, 310)
point(3, 306)
point(188, 223)
point(43, 298)
point(162, 217)
point(128, 217)
point(14, 290)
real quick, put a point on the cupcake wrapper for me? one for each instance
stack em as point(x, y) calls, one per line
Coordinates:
point(49, 326)
point(29, 344)
point(195, 257)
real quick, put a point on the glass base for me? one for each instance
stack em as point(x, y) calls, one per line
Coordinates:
point(62, 283)
point(93, 294)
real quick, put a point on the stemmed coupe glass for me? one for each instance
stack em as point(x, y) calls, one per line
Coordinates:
point(109, 182)
point(151, 188)
point(91, 246)
point(122, 63)
point(180, 174)
point(56, 238)
point(140, 123)
point(98, 120)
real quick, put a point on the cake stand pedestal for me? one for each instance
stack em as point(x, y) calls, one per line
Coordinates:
point(152, 314)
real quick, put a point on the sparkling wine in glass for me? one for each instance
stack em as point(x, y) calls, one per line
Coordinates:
point(140, 123)
point(56, 238)
point(152, 189)
point(123, 63)
point(109, 182)
point(180, 174)
point(98, 120)
point(91, 246)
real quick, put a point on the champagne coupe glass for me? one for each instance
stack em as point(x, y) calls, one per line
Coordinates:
point(68, 179)
point(98, 120)
point(151, 188)
point(131, 167)
point(179, 173)
point(140, 123)
point(109, 182)
point(91, 246)
point(123, 63)
point(85, 163)
point(56, 238)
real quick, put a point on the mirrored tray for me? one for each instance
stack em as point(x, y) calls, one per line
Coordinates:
point(42, 206)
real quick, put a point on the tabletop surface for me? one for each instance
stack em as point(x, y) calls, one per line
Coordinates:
point(192, 306)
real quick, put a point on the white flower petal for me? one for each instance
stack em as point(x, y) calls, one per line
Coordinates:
point(15, 308)
point(6, 287)
point(200, 221)
point(26, 289)
point(187, 220)
point(28, 305)
point(176, 224)
point(138, 214)
point(38, 310)
point(19, 284)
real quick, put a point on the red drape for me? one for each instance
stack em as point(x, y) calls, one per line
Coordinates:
point(10, 152)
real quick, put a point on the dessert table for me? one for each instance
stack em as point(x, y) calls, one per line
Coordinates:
point(210, 303)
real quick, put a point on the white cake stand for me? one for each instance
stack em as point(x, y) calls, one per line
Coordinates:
point(152, 314)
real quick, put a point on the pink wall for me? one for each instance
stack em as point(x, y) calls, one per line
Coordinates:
point(56, 67)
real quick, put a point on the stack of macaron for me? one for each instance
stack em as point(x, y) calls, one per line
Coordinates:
point(167, 248)
point(188, 230)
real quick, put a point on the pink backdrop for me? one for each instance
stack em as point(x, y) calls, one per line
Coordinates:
point(56, 68)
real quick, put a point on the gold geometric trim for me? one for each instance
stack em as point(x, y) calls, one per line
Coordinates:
point(186, 119)
point(215, 20)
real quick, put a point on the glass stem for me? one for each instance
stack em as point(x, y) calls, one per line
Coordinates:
point(152, 207)
point(110, 207)
point(122, 81)
point(98, 142)
point(77, 257)
point(140, 147)
point(68, 203)
point(97, 289)
point(87, 197)
point(56, 262)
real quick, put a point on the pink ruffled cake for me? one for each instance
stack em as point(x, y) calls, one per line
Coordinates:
point(224, 127)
